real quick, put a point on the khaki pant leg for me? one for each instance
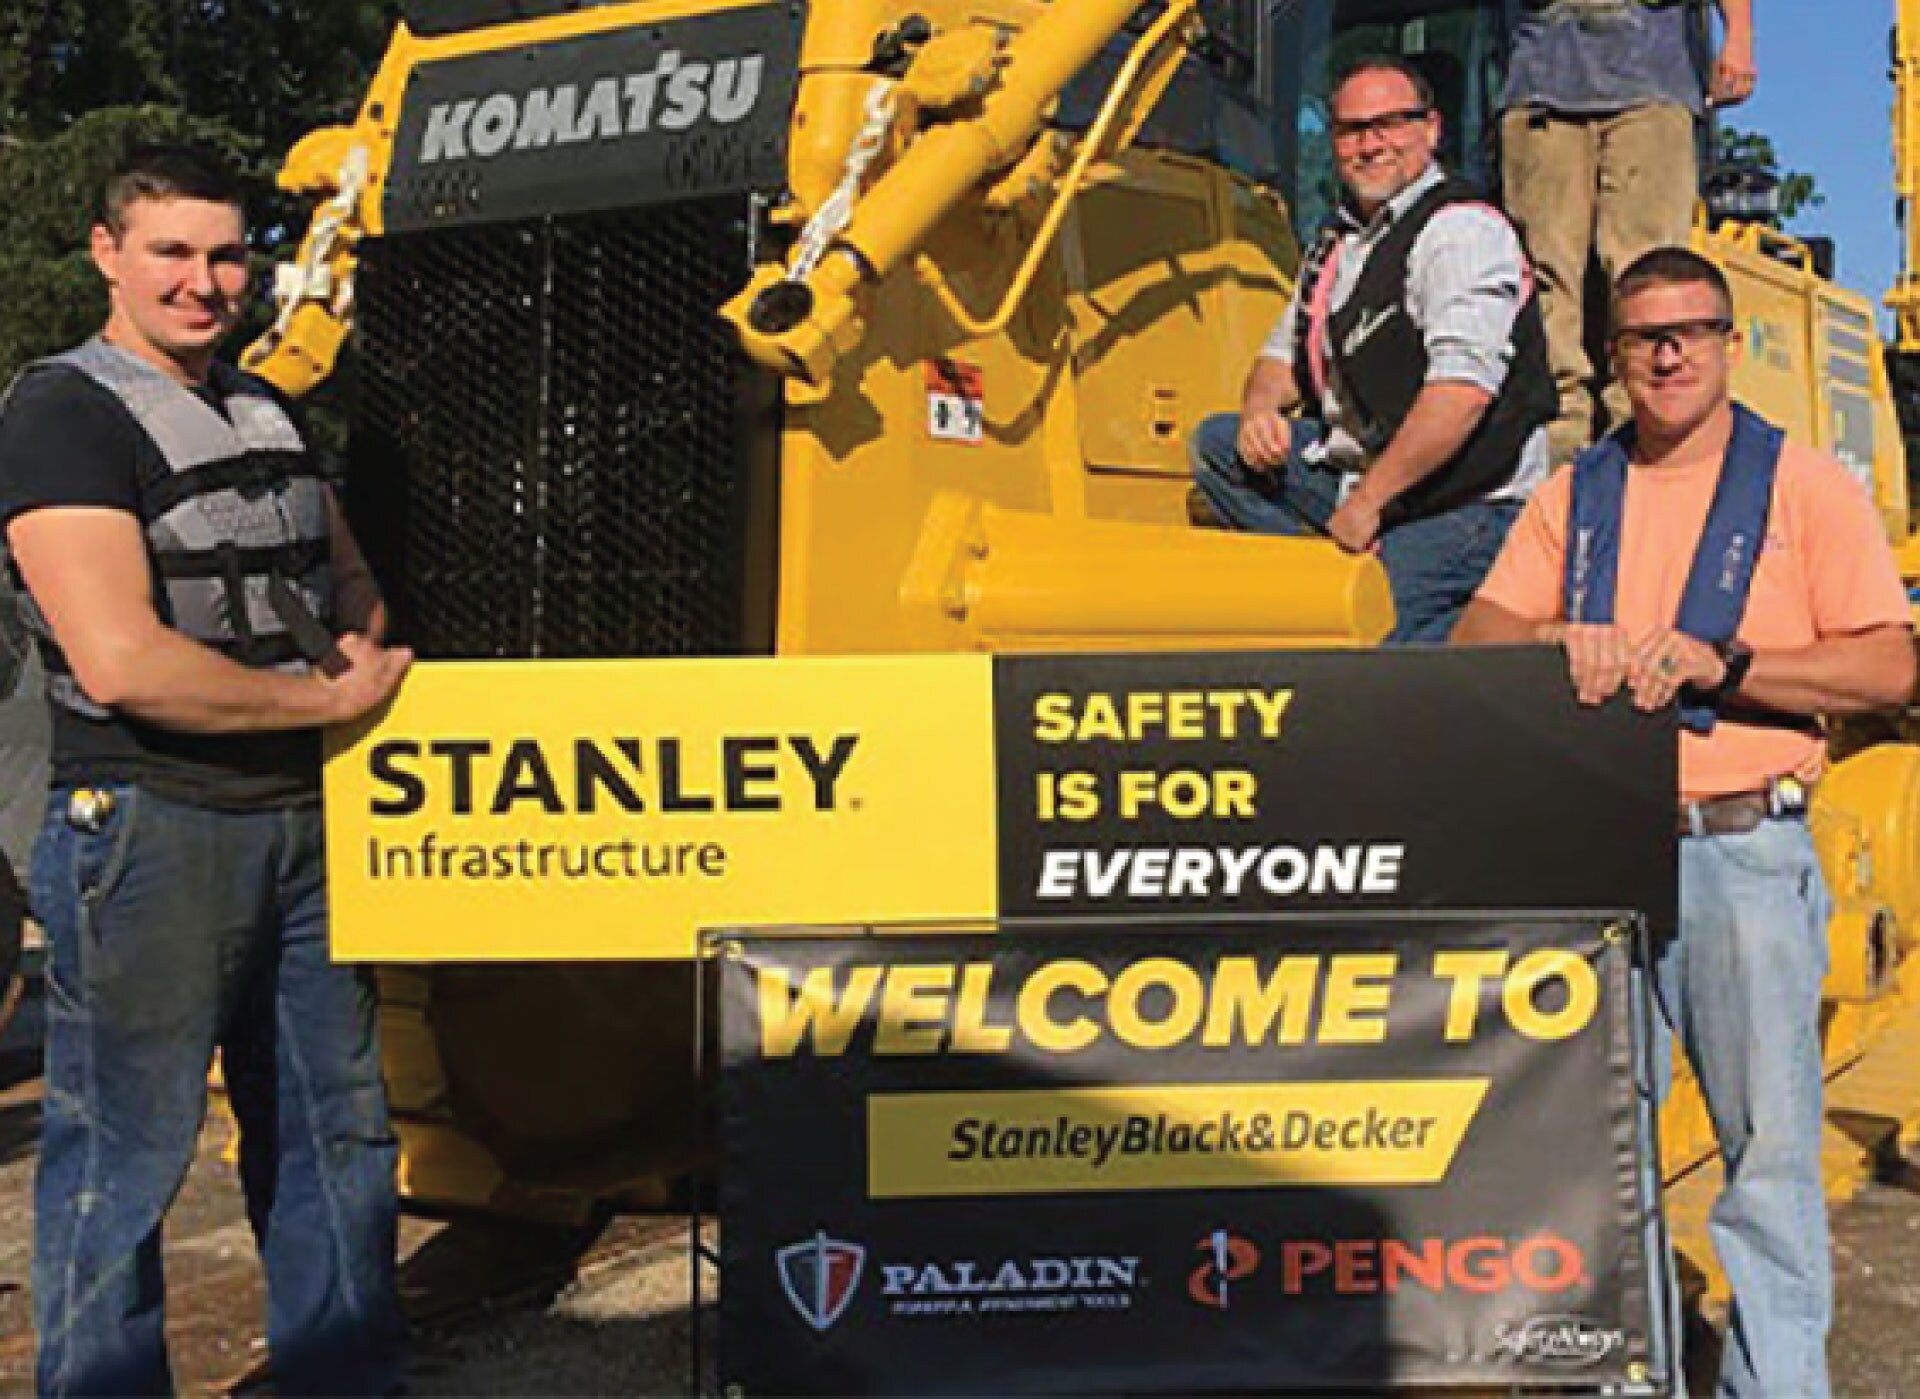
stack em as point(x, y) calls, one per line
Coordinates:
point(1549, 172)
point(1649, 184)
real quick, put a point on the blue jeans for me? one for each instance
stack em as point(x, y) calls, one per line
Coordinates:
point(1741, 988)
point(1434, 565)
point(173, 932)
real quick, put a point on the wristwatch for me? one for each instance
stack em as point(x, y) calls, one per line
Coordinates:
point(1737, 657)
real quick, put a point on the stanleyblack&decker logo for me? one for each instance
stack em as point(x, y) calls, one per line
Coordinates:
point(1226, 1260)
point(672, 95)
point(1483, 1265)
point(820, 1276)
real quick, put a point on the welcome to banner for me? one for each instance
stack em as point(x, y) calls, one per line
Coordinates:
point(554, 810)
point(1298, 1154)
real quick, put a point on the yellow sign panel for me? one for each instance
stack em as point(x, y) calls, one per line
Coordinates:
point(613, 809)
point(1166, 1137)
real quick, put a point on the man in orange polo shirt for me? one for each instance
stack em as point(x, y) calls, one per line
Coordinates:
point(1751, 644)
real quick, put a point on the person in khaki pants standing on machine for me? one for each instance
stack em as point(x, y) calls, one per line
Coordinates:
point(1598, 156)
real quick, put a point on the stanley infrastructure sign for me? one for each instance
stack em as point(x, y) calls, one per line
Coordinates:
point(535, 811)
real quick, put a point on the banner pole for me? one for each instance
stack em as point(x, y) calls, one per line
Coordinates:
point(704, 1176)
point(1662, 1270)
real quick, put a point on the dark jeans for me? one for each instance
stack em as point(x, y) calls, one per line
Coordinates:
point(1433, 565)
point(174, 931)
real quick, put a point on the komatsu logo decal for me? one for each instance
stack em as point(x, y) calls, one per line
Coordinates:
point(674, 95)
point(621, 118)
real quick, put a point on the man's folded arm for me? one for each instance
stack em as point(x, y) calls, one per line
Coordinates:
point(1270, 388)
point(1487, 623)
point(1442, 418)
point(88, 572)
point(1851, 674)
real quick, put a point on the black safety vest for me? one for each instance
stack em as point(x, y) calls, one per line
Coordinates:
point(1381, 358)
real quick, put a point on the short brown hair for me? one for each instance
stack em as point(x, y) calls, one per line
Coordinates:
point(1671, 267)
point(165, 172)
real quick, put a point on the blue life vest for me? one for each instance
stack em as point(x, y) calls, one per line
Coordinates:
point(1723, 564)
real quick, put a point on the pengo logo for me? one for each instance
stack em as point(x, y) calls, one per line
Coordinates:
point(819, 1276)
point(1228, 1259)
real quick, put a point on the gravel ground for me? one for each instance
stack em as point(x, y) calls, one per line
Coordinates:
point(1875, 1347)
point(621, 1329)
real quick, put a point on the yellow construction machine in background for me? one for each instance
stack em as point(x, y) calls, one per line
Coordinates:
point(1903, 361)
point(991, 261)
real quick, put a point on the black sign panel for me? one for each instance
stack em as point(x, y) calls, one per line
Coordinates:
point(1386, 780)
point(641, 115)
point(1302, 1154)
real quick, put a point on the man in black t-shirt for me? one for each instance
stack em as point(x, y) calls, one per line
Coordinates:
point(182, 562)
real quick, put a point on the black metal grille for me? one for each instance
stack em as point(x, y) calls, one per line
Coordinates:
point(557, 450)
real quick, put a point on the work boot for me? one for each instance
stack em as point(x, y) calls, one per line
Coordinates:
point(1200, 511)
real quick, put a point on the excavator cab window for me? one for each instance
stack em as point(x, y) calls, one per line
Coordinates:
point(1216, 106)
point(1460, 45)
point(1233, 41)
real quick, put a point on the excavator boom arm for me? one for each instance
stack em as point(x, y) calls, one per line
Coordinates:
point(1905, 297)
point(799, 324)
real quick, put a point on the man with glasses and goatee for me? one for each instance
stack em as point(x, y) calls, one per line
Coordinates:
point(1398, 405)
point(1696, 559)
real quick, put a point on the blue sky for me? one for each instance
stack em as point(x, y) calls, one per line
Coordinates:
point(1825, 99)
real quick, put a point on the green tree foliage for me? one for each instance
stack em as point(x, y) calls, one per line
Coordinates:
point(272, 69)
point(82, 81)
point(1752, 153)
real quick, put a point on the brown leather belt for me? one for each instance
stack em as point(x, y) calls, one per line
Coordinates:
point(1724, 816)
point(1739, 812)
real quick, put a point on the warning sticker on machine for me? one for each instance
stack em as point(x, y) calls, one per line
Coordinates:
point(956, 402)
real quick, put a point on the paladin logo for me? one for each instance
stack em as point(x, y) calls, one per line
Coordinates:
point(1228, 1259)
point(1562, 1342)
point(977, 1287)
point(819, 1277)
point(671, 96)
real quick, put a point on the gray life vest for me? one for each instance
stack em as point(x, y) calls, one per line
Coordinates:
point(242, 502)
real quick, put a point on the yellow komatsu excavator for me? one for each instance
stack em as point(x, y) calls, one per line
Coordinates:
point(1903, 361)
point(990, 261)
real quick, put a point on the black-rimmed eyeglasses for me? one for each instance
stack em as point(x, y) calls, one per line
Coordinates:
point(1688, 338)
point(1386, 124)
